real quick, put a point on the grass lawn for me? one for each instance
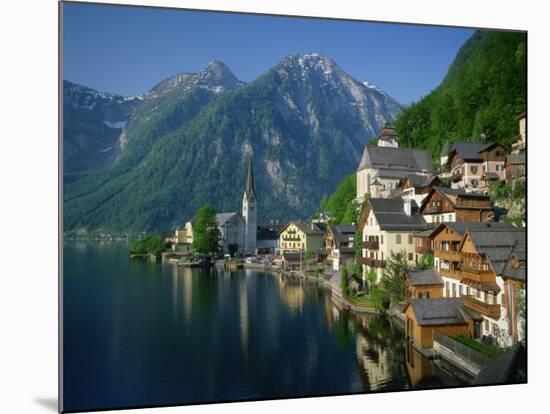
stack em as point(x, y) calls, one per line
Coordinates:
point(490, 351)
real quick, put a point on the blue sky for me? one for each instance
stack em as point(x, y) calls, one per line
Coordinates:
point(127, 50)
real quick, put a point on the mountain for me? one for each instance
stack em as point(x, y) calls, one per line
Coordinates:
point(304, 122)
point(92, 124)
point(483, 93)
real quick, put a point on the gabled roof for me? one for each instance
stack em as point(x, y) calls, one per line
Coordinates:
point(402, 159)
point(424, 277)
point(461, 227)
point(341, 232)
point(469, 151)
point(451, 195)
point(497, 244)
point(419, 181)
point(442, 311)
point(516, 159)
point(308, 227)
point(390, 215)
point(222, 218)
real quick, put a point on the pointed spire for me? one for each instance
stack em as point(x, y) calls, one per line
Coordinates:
point(250, 179)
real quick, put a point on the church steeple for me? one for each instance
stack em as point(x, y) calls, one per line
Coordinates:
point(249, 212)
point(250, 180)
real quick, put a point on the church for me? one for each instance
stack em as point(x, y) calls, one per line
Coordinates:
point(235, 228)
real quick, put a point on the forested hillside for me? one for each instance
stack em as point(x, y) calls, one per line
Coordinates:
point(483, 93)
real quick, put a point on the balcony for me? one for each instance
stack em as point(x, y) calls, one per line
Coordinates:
point(371, 244)
point(363, 260)
point(456, 176)
point(424, 248)
point(291, 238)
point(452, 273)
point(490, 310)
point(379, 263)
point(449, 255)
point(433, 210)
point(477, 275)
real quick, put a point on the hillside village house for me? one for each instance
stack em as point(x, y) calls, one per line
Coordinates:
point(447, 316)
point(474, 165)
point(417, 187)
point(519, 143)
point(383, 166)
point(515, 167)
point(302, 236)
point(339, 242)
point(387, 226)
point(447, 205)
point(474, 260)
point(424, 284)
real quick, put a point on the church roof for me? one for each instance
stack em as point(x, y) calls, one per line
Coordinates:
point(250, 180)
point(406, 160)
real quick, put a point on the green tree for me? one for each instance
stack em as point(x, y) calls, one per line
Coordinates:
point(150, 244)
point(426, 261)
point(344, 281)
point(206, 234)
point(394, 276)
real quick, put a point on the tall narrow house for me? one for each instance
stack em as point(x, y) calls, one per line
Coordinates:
point(249, 212)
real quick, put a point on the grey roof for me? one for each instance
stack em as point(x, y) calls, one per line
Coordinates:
point(516, 159)
point(346, 249)
point(222, 218)
point(342, 232)
point(497, 244)
point(445, 191)
point(420, 180)
point(402, 159)
point(469, 151)
point(441, 311)
point(309, 227)
point(424, 277)
point(390, 215)
point(345, 228)
point(461, 227)
point(503, 369)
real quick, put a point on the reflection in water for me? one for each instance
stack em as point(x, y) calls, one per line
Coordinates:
point(138, 333)
point(292, 292)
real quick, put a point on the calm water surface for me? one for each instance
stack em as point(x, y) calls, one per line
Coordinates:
point(143, 334)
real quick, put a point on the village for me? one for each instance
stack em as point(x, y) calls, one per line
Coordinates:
point(450, 257)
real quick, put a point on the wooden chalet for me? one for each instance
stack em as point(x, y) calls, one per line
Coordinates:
point(447, 205)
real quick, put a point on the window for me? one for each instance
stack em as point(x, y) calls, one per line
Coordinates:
point(447, 289)
point(473, 169)
point(410, 256)
point(382, 255)
point(450, 218)
point(397, 239)
point(381, 239)
point(410, 239)
point(494, 329)
point(474, 183)
point(460, 290)
point(499, 167)
point(468, 291)
point(454, 290)
point(486, 326)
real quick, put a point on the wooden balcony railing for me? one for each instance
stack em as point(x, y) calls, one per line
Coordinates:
point(362, 260)
point(379, 263)
point(433, 210)
point(450, 255)
point(490, 310)
point(455, 274)
point(477, 275)
point(371, 244)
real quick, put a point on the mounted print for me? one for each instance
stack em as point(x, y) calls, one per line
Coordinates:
point(260, 207)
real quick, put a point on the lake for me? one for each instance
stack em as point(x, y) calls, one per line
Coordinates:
point(145, 334)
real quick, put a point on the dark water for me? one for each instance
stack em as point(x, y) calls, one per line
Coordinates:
point(144, 334)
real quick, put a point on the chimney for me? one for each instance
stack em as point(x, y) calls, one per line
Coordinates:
point(407, 206)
